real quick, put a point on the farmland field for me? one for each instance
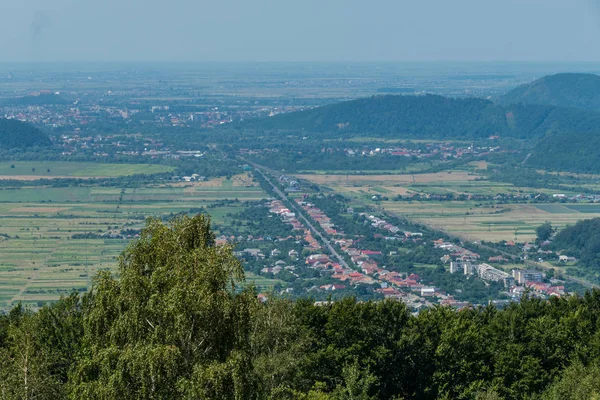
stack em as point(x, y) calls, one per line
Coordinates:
point(54, 240)
point(29, 170)
point(490, 223)
point(585, 208)
point(455, 182)
point(468, 219)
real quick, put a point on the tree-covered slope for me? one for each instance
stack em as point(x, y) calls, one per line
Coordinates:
point(567, 152)
point(582, 241)
point(428, 117)
point(16, 134)
point(384, 116)
point(562, 90)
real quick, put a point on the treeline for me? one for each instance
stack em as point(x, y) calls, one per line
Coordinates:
point(179, 323)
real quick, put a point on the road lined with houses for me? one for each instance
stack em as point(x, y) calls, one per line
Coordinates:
point(292, 204)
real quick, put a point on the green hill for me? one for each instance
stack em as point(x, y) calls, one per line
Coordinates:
point(16, 134)
point(395, 116)
point(565, 138)
point(428, 117)
point(562, 90)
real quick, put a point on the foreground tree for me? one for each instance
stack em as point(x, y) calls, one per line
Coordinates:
point(172, 325)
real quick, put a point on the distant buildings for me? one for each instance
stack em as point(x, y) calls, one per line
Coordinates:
point(524, 276)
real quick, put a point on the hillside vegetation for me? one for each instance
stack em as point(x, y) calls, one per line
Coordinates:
point(562, 90)
point(582, 241)
point(562, 139)
point(429, 117)
point(180, 323)
point(16, 134)
point(395, 116)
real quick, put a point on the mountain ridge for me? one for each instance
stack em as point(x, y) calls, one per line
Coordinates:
point(573, 90)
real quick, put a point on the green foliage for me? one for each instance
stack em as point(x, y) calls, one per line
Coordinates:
point(17, 135)
point(582, 241)
point(563, 90)
point(422, 116)
point(576, 382)
point(544, 231)
point(178, 323)
point(571, 149)
point(172, 325)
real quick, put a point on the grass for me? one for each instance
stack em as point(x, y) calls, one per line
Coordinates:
point(555, 208)
point(584, 208)
point(55, 169)
point(41, 261)
point(262, 283)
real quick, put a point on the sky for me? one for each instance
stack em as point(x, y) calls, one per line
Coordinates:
point(300, 30)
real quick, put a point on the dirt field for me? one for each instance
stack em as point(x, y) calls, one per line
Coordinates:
point(38, 209)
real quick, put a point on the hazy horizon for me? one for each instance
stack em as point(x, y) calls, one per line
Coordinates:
point(311, 31)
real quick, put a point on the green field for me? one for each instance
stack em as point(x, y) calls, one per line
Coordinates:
point(585, 208)
point(556, 208)
point(41, 260)
point(53, 169)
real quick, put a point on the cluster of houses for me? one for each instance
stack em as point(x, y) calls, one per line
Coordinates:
point(366, 268)
point(191, 178)
point(319, 217)
point(442, 150)
point(287, 216)
point(455, 252)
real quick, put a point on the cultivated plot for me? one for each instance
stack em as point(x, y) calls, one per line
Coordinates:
point(54, 240)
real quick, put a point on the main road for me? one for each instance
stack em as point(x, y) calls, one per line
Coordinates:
point(306, 221)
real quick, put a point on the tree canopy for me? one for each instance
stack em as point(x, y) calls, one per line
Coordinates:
point(16, 134)
point(177, 321)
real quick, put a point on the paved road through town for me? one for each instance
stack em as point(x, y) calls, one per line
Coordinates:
point(292, 204)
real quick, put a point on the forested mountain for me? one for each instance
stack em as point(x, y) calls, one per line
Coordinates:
point(400, 116)
point(563, 139)
point(429, 117)
point(567, 152)
point(582, 241)
point(562, 90)
point(16, 134)
point(180, 323)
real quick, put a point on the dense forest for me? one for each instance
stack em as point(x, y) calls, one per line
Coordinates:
point(569, 152)
point(582, 241)
point(562, 90)
point(395, 116)
point(562, 139)
point(429, 117)
point(16, 134)
point(180, 322)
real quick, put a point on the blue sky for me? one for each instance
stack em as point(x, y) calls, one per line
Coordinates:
point(300, 30)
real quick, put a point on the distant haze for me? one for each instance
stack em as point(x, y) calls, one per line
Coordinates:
point(300, 30)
